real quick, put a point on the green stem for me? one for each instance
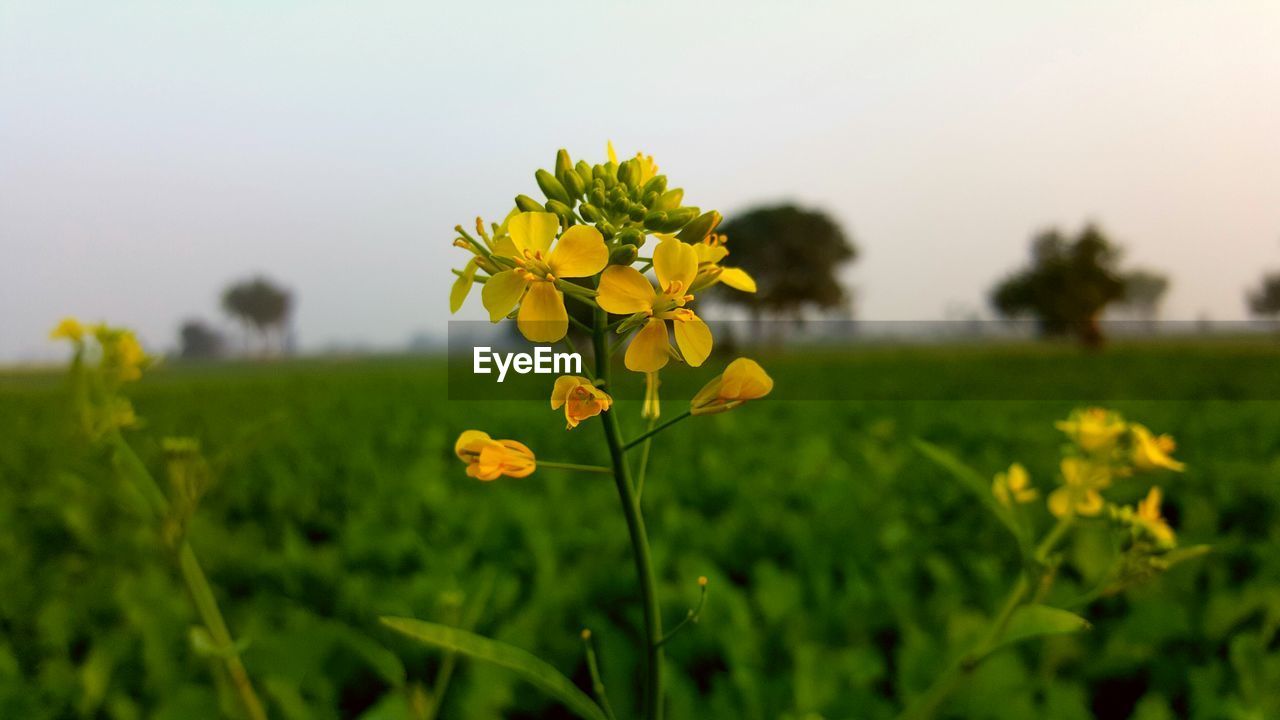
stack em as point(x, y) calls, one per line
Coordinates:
point(946, 683)
point(597, 683)
point(644, 461)
point(660, 428)
point(575, 466)
point(635, 527)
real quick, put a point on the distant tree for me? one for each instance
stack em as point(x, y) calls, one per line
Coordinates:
point(260, 306)
point(1265, 301)
point(1067, 286)
point(1143, 291)
point(200, 342)
point(794, 255)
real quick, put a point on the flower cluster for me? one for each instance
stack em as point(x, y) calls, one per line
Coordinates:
point(106, 358)
point(586, 244)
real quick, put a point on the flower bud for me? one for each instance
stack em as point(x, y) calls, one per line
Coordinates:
point(629, 173)
point(564, 165)
point(584, 171)
point(657, 184)
point(675, 219)
point(551, 187)
point(563, 211)
point(623, 255)
point(631, 236)
point(598, 197)
point(700, 227)
point(528, 204)
point(669, 200)
point(591, 213)
point(573, 184)
point(637, 212)
point(655, 220)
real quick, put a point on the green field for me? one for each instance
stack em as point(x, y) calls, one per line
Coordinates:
point(845, 568)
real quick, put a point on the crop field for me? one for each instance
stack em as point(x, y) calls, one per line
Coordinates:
point(846, 568)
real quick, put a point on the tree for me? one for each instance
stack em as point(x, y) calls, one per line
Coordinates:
point(200, 342)
point(261, 306)
point(1265, 301)
point(1143, 291)
point(794, 255)
point(1067, 286)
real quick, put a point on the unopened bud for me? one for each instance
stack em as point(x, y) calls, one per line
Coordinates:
point(629, 173)
point(657, 184)
point(562, 210)
point(528, 204)
point(655, 220)
point(551, 187)
point(591, 213)
point(631, 236)
point(573, 184)
point(702, 581)
point(623, 255)
point(563, 164)
point(676, 219)
point(584, 171)
point(700, 227)
point(669, 200)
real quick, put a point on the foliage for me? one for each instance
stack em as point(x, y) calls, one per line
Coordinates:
point(794, 254)
point(1265, 301)
point(847, 568)
point(1068, 284)
point(260, 304)
point(199, 341)
point(1143, 291)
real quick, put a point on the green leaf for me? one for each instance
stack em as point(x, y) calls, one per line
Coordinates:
point(1032, 621)
point(533, 670)
point(980, 487)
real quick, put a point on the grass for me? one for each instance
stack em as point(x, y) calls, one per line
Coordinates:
point(845, 569)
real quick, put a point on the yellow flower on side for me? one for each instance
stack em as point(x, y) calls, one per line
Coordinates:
point(580, 398)
point(580, 252)
point(711, 251)
point(625, 291)
point(652, 407)
point(488, 459)
point(1095, 430)
point(1013, 486)
point(1151, 452)
point(1079, 495)
point(1148, 517)
point(741, 381)
point(122, 354)
point(68, 329)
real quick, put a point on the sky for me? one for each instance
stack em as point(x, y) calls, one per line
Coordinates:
point(152, 152)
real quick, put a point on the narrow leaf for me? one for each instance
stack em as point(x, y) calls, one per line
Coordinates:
point(1032, 621)
point(979, 486)
point(535, 671)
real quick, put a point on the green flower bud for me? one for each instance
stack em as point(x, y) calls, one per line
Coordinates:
point(629, 173)
point(584, 172)
point(700, 227)
point(564, 165)
point(637, 212)
point(607, 230)
point(623, 255)
point(657, 184)
point(675, 219)
point(650, 199)
point(562, 210)
point(669, 200)
point(591, 213)
point(528, 204)
point(631, 236)
point(655, 220)
point(598, 197)
point(573, 184)
point(551, 187)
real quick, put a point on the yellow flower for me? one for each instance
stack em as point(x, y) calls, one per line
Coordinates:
point(1149, 518)
point(710, 252)
point(651, 408)
point(122, 354)
point(1151, 452)
point(68, 329)
point(580, 252)
point(741, 381)
point(1013, 486)
point(613, 154)
point(580, 397)
point(1079, 494)
point(1094, 429)
point(488, 459)
point(624, 291)
point(648, 168)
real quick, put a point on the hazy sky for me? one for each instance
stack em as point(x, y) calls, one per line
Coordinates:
point(151, 152)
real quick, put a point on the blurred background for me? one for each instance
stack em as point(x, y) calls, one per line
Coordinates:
point(968, 219)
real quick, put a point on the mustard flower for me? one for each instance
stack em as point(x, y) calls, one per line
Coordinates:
point(580, 252)
point(488, 459)
point(625, 291)
point(1148, 517)
point(711, 251)
point(580, 398)
point(741, 381)
point(1013, 486)
point(1081, 482)
point(1152, 452)
point(1095, 430)
point(68, 329)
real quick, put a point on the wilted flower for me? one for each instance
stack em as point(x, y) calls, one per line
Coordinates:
point(488, 459)
point(1094, 429)
point(1148, 517)
point(741, 381)
point(580, 398)
point(1151, 452)
point(625, 291)
point(1013, 486)
point(1081, 482)
point(580, 252)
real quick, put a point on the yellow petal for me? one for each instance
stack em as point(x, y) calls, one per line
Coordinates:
point(462, 286)
point(1060, 502)
point(738, 279)
point(504, 247)
point(469, 443)
point(744, 379)
point(533, 230)
point(694, 338)
point(623, 290)
point(613, 154)
point(675, 261)
point(564, 385)
point(542, 315)
point(649, 350)
point(502, 292)
point(580, 252)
